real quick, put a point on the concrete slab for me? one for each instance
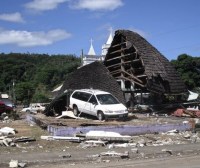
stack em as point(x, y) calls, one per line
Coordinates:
point(121, 129)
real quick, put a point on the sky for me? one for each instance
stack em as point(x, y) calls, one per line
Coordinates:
point(67, 26)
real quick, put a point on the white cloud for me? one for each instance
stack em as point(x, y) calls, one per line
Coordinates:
point(96, 5)
point(31, 39)
point(12, 17)
point(43, 5)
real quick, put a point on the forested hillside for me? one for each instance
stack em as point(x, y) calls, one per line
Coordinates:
point(189, 69)
point(33, 76)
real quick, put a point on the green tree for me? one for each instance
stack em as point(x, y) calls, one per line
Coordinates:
point(24, 92)
point(189, 70)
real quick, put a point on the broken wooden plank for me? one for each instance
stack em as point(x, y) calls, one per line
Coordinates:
point(120, 50)
point(115, 154)
point(122, 63)
point(132, 76)
point(24, 139)
point(122, 77)
point(71, 139)
point(117, 45)
point(121, 56)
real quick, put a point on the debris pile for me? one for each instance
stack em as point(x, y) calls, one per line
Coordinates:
point(187, 113)
point(114, 140)
point(7, 137)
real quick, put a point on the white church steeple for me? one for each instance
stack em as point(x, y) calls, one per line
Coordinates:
point(91, 50)
point(108, 43)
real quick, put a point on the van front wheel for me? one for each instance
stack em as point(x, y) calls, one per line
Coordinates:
point(100, 116)
point(75, 110)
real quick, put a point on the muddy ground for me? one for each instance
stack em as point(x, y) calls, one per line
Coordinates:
point(43, 152)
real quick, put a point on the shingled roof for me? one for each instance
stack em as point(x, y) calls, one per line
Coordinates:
point(133, 58)
point(96, 76)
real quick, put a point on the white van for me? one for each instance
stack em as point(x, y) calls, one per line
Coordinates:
point(97, 103)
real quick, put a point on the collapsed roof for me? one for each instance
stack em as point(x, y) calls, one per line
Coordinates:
point(132, 58)
point(94, 75)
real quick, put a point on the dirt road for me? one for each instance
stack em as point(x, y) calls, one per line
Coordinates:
point(172, 162)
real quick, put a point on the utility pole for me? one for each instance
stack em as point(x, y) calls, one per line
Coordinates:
point(82, 57)
point(13, 92)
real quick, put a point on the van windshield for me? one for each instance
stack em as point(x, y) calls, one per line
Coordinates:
point(107, 99)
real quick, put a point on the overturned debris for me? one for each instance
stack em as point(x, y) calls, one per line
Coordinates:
point(7, 131)
point(187, 113)
point(108, 136)
point(92, 143)
point(71, 139)
point(24, 139)
point(69, 114)
point(115, 154)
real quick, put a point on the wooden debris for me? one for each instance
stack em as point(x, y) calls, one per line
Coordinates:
point(24, 139)
point(71, 139)
point(115, 154)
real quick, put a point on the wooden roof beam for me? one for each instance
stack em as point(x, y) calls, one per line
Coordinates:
point(132, 76)
point(122, 77)
point(141, 76)
point(126, 62)
point(115, 72)
point(117, 45)
point(117, 51)
point(121, 56)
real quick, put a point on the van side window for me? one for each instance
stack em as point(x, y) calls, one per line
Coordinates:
point(85, 96)
point(76, 95)
point(81, 96)
point(93, 100)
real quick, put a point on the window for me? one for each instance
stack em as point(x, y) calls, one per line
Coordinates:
point(107, 99)
point(81, 96)
point(93, 100)
point(85, 96)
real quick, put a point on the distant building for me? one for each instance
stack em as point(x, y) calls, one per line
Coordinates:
point(92, 57)
point(107, 45)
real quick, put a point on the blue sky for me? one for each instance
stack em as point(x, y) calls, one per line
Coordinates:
point(66, 26)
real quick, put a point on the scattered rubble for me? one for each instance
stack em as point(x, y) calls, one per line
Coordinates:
point(71, 139)
point(7, 131)
point(16, 163)
point(115, 154)
point(107, 136)
point(7, 137)
point(187, 113)
point(108, 140)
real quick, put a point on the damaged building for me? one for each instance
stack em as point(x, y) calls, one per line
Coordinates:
point(141, 68)
point(95, 76)
point(131, 66)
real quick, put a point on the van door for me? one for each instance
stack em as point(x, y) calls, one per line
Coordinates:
point(92, 105)
point(84, 102)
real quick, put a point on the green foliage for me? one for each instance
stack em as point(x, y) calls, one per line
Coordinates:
point(35, 75)
point(189, 69)
point(24, 92)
